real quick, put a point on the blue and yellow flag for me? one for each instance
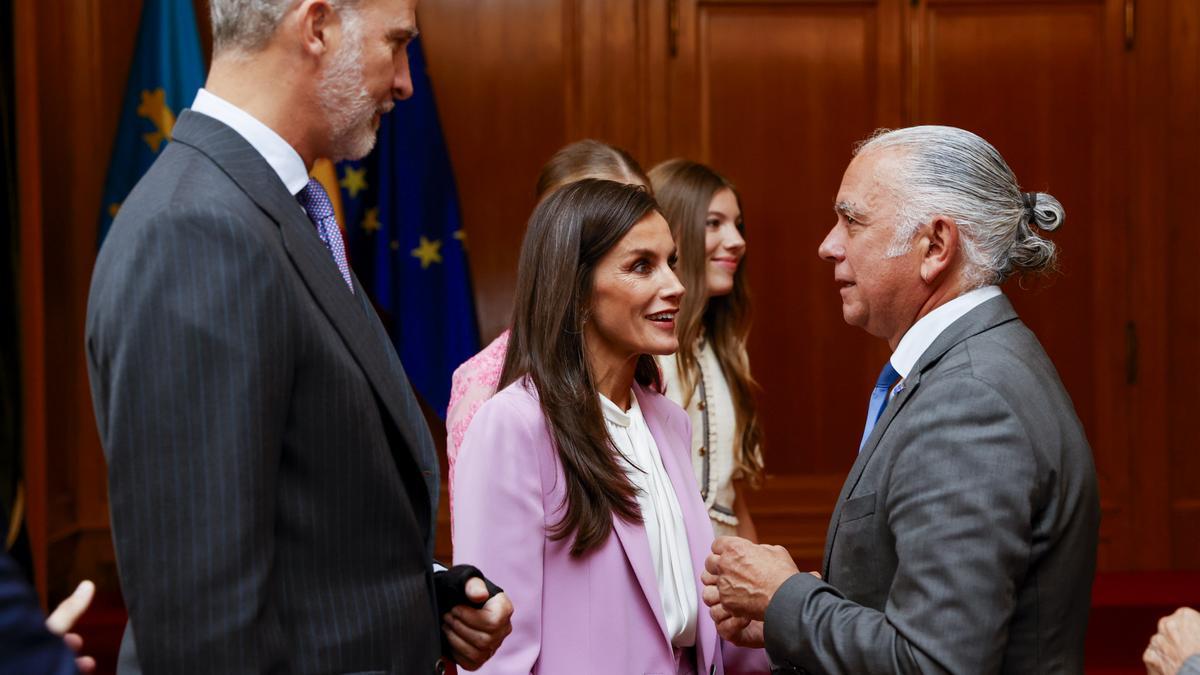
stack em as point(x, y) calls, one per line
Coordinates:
point(406, 240)
point(167, 71)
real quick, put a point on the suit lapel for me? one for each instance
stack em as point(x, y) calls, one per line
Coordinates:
point(986, 316)
point(695, 517)
point(416, 437)
point(637, 550)
point(634, 540)
point(255, 177)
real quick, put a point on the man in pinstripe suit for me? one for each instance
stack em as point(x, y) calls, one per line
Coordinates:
point(273, 485)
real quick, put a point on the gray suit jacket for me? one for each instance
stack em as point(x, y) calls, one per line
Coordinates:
point(964, 539)
point(273, 485)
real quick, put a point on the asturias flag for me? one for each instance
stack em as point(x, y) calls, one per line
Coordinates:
point(406, 240)
point(167, 71)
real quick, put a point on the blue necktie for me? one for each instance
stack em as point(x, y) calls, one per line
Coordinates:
point(879, 399)
point(320, 210)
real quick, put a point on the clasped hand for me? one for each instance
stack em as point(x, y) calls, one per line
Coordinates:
point(740, 578)
point(1177, 639)
point(475, 634)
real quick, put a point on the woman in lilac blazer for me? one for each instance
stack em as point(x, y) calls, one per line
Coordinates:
point(574, 486)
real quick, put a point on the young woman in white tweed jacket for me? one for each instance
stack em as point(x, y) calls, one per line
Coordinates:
point(710, 375)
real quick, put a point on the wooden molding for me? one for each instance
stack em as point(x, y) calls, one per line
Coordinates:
point(32, 286)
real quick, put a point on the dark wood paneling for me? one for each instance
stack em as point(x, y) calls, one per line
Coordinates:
point(607, 84)
point(500, 73)
point(66, 132)
point(1042, 81)
point(66, 138)
point(1147, 545)
point(32, 289)
point(792, 510)
point(785, 90)
point(516, 81)
point(1181, 283)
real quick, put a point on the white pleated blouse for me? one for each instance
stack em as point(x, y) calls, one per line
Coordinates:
point(661, 516)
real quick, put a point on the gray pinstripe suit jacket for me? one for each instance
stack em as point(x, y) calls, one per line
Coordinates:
point(964, 539)
point(273, 485)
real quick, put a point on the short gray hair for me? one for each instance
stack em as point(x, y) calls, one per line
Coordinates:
point(246, 26)
point(953, 172)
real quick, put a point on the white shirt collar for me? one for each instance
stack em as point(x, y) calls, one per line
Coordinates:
point(929, 327)
point(282, 157)
point(613, 412)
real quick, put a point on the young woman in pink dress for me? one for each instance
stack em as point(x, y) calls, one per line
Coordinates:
point(475, 380)
point(710, 374)
point(574, 483)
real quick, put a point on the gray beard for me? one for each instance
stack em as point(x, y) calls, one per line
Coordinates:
point(348, 106)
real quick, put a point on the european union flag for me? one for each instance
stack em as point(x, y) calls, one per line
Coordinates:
point(406, 240)
point(167, 71)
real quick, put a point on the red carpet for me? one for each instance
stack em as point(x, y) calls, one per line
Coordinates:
point(1126, 607)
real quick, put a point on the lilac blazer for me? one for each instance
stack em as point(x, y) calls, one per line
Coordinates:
point(598, 614)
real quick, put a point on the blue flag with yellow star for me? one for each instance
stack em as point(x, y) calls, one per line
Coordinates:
point(406, 240)
point(166, 72)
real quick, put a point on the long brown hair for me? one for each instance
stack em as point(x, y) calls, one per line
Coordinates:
point(568, 233)
point(589, 159)
point(684, 190)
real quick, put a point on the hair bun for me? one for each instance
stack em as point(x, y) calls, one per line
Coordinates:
point(1048, 214)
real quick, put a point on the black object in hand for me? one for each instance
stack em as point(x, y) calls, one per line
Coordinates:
point(451, 587)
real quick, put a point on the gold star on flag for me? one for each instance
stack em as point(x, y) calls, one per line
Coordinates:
point(428, 252)
point(354, 181)
point(370, 222)
point(154, 108)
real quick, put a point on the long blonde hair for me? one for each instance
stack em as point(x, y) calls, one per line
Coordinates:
point(684, 190)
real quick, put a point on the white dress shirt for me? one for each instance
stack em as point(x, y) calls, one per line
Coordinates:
point(929, 327)
point(282, 157)
point(661, 516)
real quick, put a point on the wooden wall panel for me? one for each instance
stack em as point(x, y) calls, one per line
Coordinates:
point(1180, 281)
point(1148, 69)
point(514, 83)
point(606, 83)
point(27, 87)
point(774, 95)
point(500, 73)
point(792, 510)
point(1039, 80)
point(85, 50)
point(787, 89)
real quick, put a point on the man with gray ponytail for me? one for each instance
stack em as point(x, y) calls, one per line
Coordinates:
point(273, 484)
point(964, 538)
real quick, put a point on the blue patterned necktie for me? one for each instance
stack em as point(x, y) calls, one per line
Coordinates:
point(320, 210)
point(879, 399)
